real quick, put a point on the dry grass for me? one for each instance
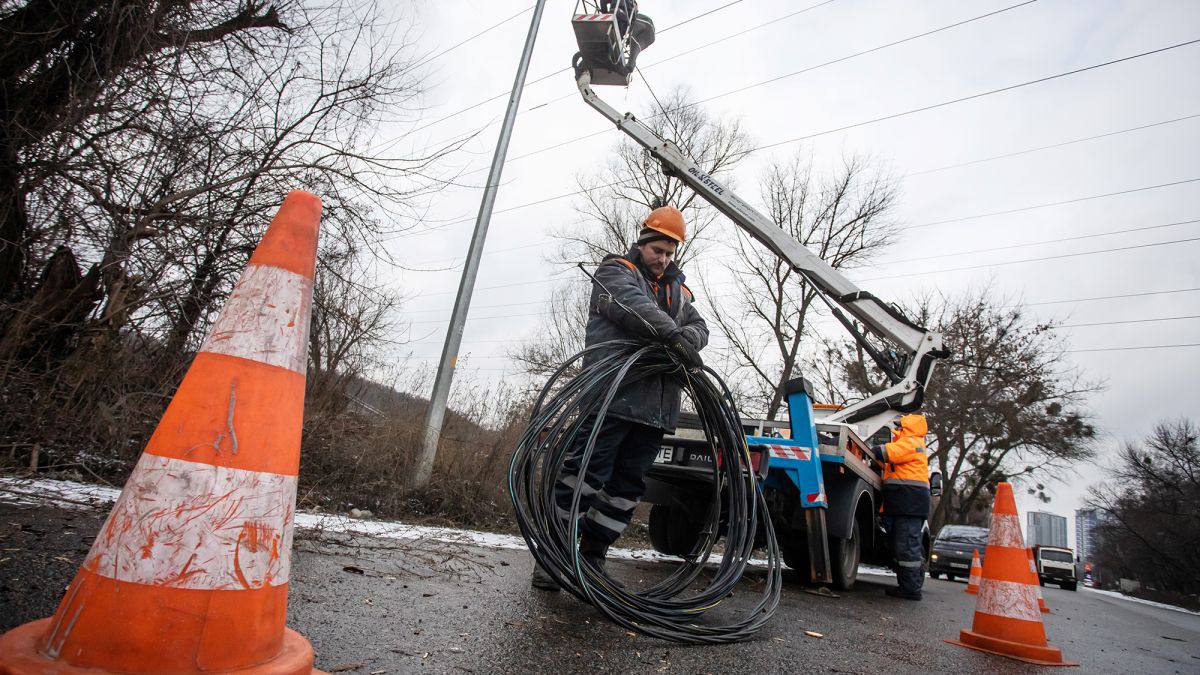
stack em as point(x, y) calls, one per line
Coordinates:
point(90, 416)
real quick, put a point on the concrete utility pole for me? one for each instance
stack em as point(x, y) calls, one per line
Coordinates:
point(462, 303)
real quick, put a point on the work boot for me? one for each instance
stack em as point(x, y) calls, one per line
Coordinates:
point(594, 552)
point(896, 592)
point(541, 580)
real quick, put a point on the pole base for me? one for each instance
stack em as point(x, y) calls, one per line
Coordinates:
point(19, 655)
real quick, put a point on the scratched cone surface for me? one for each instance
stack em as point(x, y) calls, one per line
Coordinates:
point(190, 572)
point(976, 574)
point(1007, 619)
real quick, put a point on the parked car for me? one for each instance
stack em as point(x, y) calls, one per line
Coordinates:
point(952, 550)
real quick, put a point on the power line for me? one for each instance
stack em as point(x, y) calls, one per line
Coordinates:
point(1020, 209)
point(1060, 240)
point(1029, 260)
point(1111, 297)
point(1053, 145)
point(1128, 321)
point(910, 38)
point(547, 76)
point(972, 97)
point(469, 39)
point(1049, 204)
point(1123, 349)
point(951, 166)
point(656, 63)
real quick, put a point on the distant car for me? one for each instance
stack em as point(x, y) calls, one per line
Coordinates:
point(953, 548)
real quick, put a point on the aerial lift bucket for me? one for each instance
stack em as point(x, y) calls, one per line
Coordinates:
point(610, 35)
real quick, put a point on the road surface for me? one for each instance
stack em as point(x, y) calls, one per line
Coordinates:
point(378, 606)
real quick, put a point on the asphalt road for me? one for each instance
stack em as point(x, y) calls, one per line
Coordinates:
point(373, 606)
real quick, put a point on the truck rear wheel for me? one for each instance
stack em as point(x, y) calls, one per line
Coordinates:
point(844, 555)
point(672, 531)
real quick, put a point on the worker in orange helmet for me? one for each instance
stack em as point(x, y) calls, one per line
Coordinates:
point(906, 501)
point(640, 295)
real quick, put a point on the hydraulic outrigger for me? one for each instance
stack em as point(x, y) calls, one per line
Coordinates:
point(610, 35)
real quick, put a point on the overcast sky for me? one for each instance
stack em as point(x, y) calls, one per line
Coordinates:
point(1024, 43)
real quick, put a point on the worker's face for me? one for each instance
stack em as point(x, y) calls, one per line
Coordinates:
point(657, 255)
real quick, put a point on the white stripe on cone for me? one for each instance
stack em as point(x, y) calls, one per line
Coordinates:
point(1006, 531)
point(185, 524)
point(974, 580)
point(1008, 599)
point(266, 319)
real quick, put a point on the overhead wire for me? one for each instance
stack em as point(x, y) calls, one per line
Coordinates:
point(940, 222)
point(883, 118)
point(1059, 256)
point(560, 71)
point(476, 36)
point(609, 129)
point(1130, 348)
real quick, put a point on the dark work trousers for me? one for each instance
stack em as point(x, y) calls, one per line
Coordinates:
point(615, 480)
point(905, 535)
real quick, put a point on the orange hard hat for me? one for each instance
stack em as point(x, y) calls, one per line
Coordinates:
point(669, 221)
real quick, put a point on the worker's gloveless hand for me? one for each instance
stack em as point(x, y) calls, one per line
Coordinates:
point(685, 351)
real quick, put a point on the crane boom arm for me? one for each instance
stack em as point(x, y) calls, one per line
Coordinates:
point(916, 348)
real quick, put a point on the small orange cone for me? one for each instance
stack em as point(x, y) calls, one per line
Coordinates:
point(1007, 621)
point(976, 572)
point(190, 572)
point(1037, 582)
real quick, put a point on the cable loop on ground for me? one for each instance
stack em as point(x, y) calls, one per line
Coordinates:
point(671, 609)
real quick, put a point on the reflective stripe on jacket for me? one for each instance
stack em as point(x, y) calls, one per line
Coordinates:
point(906, 470)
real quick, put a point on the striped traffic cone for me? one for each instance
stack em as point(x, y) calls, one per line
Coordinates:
point(1037, 582)
point(1007, 621)
point(190, 572)
point(976, 571)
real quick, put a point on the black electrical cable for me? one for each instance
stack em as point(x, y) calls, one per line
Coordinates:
point(670, 609)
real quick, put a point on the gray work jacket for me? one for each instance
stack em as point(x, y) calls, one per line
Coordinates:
point(666, 305)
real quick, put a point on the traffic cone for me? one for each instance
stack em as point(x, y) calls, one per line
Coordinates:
point(976, 571)
point(1007, 621)
point(1037, 582)
point(190, 572)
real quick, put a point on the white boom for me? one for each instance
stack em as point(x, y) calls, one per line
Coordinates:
point(908, 365)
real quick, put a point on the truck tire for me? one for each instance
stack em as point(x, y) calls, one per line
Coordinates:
point(672, 531)
point(796, 558)
point(1068, 586)
point(949, 577)
point(844, 556)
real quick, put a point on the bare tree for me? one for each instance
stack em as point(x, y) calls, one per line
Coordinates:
point(615, 201)
point(843, 218)
point(1151, 504)
point(352, 325)
point(1006, 405)
point(617, 198)
point(560, 335)
point(146, 145)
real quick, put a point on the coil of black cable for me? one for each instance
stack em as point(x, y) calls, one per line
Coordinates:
point(671, 609)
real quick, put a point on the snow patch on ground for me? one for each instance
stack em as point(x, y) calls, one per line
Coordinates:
point(1140, 601)
point(71, 494)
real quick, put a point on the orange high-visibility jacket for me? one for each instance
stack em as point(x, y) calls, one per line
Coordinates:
point(906, 469)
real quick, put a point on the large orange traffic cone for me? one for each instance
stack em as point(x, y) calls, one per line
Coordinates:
point(190, 572)
point(1007, 621)
point(1036, 582)
point(976, 572)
